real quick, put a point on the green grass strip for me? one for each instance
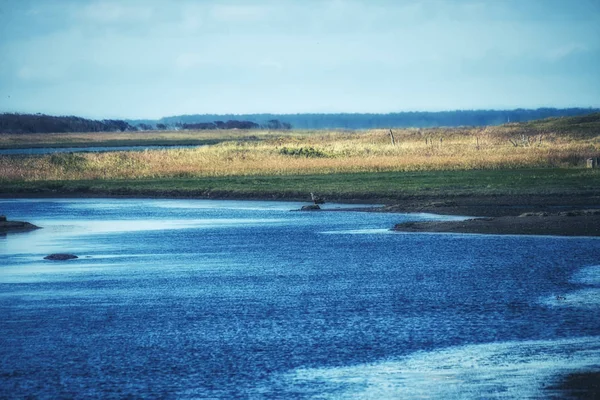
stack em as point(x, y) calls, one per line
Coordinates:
point(384, 185)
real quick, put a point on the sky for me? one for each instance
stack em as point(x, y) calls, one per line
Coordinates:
point(155, 58)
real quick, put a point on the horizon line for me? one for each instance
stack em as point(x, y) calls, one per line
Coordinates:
point(591, 108)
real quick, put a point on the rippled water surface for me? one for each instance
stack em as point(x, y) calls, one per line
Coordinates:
point(216, 299)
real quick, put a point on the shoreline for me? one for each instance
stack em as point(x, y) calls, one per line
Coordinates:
point(556, 215)
point(553, 225)
point(576, 385)
point(476, 205)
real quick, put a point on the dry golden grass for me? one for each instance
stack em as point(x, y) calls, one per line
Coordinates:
point(294, 152)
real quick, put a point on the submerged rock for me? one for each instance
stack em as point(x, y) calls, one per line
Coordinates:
point(312, 207)
point(60, 257)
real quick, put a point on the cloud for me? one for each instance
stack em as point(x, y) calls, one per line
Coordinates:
point(311, 48)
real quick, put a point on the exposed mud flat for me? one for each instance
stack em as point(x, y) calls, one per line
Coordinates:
point(571, 223)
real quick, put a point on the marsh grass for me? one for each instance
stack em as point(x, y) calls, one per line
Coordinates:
point(544, 144)
point(90, 139)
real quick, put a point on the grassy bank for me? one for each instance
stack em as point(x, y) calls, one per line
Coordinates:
point(357, 186)
point(540, 157)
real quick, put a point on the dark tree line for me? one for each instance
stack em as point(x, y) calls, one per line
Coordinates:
point(40, 123)
point(232, 124)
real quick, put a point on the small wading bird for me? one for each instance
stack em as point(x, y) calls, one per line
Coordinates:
point(316, 199)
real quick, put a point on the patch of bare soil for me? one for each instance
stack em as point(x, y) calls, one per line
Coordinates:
point(583, 385)
point(495, 206)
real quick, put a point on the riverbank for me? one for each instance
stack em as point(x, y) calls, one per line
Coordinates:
point(386, 187)
point(581, 385)
point(15, 226)
point(503, 195)
point(476, 205)
point(501, 215)
point(562, 224)
point(493, 214)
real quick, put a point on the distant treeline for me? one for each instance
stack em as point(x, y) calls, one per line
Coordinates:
point(233, 124)
point(417, 119)
point(40, 123)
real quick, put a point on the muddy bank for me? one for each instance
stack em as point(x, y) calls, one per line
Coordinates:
point(581, 385)
point(504, 209)
point(16, 226)
point(494, 206)
point(569, 223)
point(475, 205)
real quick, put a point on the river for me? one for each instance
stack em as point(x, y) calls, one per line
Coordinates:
point(232, 299)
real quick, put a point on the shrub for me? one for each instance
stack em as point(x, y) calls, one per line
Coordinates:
point(69, 161)
point(308, 152)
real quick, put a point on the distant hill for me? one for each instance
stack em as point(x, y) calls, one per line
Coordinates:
point(416, 119)
point(577, 126)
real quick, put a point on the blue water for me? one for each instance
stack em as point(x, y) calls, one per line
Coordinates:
point(226, 299)
point(102, 149)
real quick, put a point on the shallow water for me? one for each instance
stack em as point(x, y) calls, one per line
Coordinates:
point(221, 299)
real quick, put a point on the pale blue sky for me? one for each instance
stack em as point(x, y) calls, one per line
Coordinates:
point(153, 58)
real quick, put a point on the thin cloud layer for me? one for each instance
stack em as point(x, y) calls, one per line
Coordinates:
point(147, 59)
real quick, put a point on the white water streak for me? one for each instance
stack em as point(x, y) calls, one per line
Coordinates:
point(497, 370)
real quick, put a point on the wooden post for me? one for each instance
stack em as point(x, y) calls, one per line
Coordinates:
point(392, 137)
